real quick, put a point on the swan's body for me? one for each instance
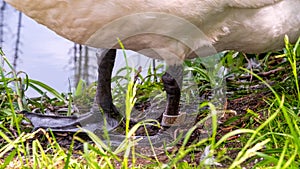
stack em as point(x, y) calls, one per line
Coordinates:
point(251, 26)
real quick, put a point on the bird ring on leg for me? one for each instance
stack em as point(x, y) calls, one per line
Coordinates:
point(173, 120)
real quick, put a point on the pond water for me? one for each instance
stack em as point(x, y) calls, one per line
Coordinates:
point(46, 56)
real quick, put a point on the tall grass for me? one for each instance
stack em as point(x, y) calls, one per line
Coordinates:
point(263, 138)
point(275, 142)
point(15, 147)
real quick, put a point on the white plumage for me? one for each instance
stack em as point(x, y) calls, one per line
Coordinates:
point(151, 27)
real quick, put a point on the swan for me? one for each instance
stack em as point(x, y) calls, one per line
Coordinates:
point(170, 30)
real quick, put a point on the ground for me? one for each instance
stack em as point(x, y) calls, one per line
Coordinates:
point(245, 107)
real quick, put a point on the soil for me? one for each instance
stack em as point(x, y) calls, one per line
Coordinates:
point(235, 119)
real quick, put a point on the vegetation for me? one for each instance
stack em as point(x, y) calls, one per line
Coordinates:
point(259, 129)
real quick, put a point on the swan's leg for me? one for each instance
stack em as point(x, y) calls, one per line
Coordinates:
point(173, 94)
point(172, 81)
point(106, 60)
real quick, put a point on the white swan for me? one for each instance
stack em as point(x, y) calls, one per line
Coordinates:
point(169, 29)
point(251, 26)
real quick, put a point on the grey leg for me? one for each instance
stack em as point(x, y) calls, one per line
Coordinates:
point(173, 94)
point(106, 60)
point(172, 81)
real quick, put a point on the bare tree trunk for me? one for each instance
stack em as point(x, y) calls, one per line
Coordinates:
point(82, 65)
point(76, 76)
point(86, 65)
point(154, 71)
point(17, 49)
point(2, 22)
point(79, 65)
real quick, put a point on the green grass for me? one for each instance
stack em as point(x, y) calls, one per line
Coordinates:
point(269, 134)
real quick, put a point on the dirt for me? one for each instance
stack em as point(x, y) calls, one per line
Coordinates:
point(227, 122)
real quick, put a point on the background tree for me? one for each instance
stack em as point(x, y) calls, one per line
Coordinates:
point(83, 67)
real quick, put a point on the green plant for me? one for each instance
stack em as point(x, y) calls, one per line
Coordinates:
point(270, 136)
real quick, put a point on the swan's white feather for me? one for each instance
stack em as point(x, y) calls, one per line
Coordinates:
point(169, 28)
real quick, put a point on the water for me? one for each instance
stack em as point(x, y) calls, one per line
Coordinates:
point(45, 56)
